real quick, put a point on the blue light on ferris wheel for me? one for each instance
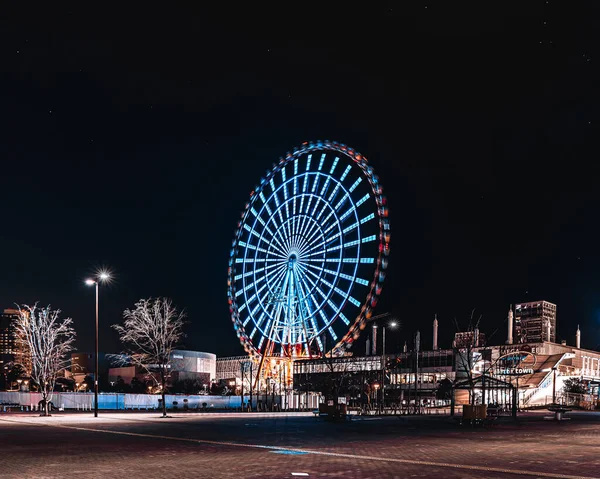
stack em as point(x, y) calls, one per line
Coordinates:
point(309, 253)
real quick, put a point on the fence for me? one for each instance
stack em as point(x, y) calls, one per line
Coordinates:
point(121, 401)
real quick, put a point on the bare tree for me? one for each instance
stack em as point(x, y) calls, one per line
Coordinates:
point(48, 339)
point(465, 344)
point(151, 331)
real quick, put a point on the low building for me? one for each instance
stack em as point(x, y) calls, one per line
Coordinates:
point(185, 365)
point(236, 372)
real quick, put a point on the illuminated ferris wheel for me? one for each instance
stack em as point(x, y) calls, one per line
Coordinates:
point(309, 254)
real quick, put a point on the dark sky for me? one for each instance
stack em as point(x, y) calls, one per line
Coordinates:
point(132, 139)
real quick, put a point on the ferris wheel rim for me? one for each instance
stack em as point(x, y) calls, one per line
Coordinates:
point(383, 237)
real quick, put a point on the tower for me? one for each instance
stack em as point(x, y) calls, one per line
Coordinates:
point(435, 333)
point(374, 342)
point(578, 338)
point(509, 339)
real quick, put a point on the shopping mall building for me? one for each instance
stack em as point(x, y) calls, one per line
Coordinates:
point(530, 367)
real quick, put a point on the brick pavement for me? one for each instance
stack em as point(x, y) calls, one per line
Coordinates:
point(240, 446)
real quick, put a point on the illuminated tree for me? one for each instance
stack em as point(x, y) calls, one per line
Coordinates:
point(48, 340)
point(150, 332)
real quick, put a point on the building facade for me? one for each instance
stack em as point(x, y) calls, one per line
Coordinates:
point(535, 322)
point(8, 347)
point(185, 365)
point(7, 334)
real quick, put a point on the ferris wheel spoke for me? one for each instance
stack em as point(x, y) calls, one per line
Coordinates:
point(294, 200)
point(326, 221)
point(342, 200)
point(321, 161)
point(265, 203)
point(325, 242)
point(281, 240)
point(312, 299)
point(314, 231)
point(275, 302)
point(274, 276)
point(318, 306)
point(315, 183)
point(304, 302)
point(334, 193)
point(305, 217)
point(289, 225)
point(325, 187)
point(313, 320)
point(276, 244)
point(318, 277)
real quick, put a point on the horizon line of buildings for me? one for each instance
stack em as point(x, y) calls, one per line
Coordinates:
point(530, 326)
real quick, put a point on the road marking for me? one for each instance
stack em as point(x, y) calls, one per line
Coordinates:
point(291, 453)
point(417, 462)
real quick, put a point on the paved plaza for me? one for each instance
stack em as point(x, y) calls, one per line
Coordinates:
point(235, 445)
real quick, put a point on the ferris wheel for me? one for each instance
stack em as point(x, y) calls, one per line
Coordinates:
point(309, 254)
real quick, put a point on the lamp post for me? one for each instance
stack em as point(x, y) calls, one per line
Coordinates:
point(392, 325)
point(101, 278)
point(554, 385)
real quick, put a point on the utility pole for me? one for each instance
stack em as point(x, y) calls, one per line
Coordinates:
point(251, 385)
point(383, 374)
point(554, 385)
point(417, 347)
point(242, 367)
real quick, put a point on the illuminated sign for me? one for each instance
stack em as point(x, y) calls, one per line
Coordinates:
point(515, 371)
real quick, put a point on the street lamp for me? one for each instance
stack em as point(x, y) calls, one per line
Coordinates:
point(102, 277)
point(392, 324)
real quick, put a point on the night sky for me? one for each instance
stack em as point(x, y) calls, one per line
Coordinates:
point(132, 139)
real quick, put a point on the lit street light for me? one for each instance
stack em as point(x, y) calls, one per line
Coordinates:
point(102, 277)
point(392, 324)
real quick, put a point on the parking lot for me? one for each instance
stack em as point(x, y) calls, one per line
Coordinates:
point(253, 445)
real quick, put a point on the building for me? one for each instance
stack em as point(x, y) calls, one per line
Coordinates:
point(535, 322)
point(473, 339)
point(7, 336)
point(236, 371)
point(185, 365)
point(7, 331)
point(83, 364)
point(194, 365)
point(523, 373)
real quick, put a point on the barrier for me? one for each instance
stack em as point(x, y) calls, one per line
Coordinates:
point(150, 402)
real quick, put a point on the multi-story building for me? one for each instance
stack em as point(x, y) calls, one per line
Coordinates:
point(472, 339)
point(535, 322)
point(7, 336)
